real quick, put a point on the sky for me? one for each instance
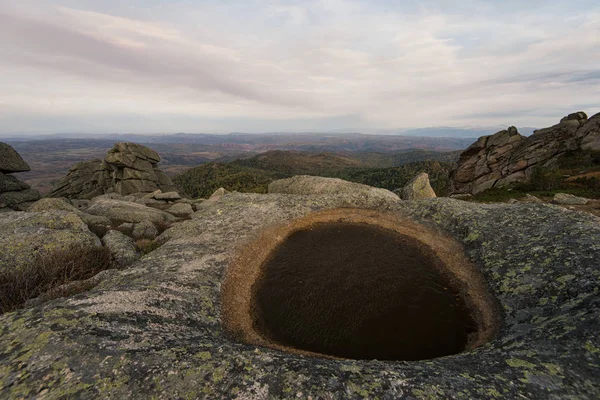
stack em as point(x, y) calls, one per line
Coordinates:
point(164, 66)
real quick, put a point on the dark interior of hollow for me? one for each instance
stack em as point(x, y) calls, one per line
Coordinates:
point(362, 292)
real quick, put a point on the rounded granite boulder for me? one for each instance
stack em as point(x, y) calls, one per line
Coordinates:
point(155, 330)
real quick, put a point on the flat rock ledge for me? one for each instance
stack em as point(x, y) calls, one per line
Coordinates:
point(154, 330)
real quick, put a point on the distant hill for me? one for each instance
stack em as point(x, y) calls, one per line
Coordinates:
point(389, 171)
point(299, 163)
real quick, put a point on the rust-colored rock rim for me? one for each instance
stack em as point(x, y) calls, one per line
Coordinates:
point(238, 295)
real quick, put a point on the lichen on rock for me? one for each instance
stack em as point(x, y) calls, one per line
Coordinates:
point(24, 236)
point(154, 330)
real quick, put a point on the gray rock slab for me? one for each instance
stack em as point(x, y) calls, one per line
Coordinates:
point(314, 185)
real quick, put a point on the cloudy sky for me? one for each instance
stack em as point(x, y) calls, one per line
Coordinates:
point(274, 65)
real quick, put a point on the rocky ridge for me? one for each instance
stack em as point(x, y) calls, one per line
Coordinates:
point(507, 157)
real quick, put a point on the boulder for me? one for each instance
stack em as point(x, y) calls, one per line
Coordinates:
point(197, 204)
point(97, 224)
point(53, 204)
point(19, 201)
point(144, 230)
point(169, 196)
point(418, 188)
point(181, 210)
point(151, 195)
point(126, 228)
point(9, 183)
point(569, 199)
point(532, 199)
point(25, 235)
point(14, 194)
point(81, 204)
point(11, 161)
point(152, 203)
point(218, 194)
point(314, 185)
point(122, 248)
point(155, 331)
point(136, 150)
point(119, 211)
point(134, 186)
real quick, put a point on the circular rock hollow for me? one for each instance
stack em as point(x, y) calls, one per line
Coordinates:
point(358, 284)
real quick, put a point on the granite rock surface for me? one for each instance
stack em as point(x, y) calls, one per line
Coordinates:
point(154, 330)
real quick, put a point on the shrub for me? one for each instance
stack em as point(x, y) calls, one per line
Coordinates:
point(49, 272)
point(545, 178)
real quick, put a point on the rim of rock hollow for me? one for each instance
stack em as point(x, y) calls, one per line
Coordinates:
point(237, 292)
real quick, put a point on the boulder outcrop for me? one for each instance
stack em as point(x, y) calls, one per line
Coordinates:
point(508, 157)
point(14, 194)
point(144, 230)
point(154, 330)
point(127, 168)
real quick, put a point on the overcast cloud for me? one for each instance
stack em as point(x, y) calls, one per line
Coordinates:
point(218, 66)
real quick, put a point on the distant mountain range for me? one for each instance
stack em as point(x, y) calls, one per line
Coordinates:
point(238, 137)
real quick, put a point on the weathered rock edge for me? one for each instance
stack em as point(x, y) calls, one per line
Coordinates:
point(238, 290)
point(154, 330)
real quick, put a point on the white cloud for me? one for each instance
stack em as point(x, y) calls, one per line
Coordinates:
point(246, 62)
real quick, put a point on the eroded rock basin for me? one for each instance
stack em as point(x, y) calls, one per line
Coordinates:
point(362, 292)
point(359, 284)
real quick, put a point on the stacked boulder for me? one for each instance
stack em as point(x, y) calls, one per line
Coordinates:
point(507, 157)
point(128, 168)
point(14, 194)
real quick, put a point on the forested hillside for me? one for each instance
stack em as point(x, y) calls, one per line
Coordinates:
point(375, 169)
